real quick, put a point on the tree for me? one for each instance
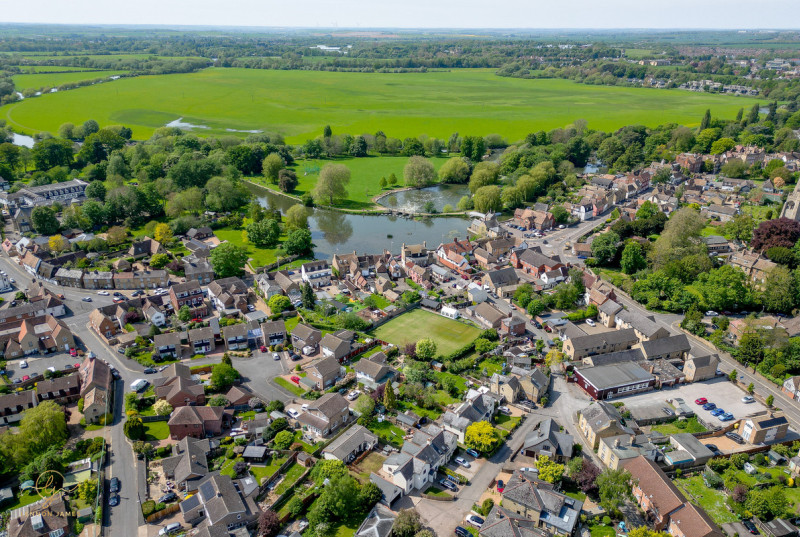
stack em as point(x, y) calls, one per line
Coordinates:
point(279, 303)
point(560, 214)
point(308, 296)
point(389, 400)
point(134, 428)
point(648, 209)
point(481, 436)
point(426, 349)
point(455, 170)
point(644, 531)
point(740, 227)
point(779, 232)
point(586, 478)
point(116, 235)
point(296, 217)
point(264, 234)
point(407, 524)
point(268, 523)
point(223, 376)
point(228, 259)
point(57, 243)
point(184, 313)
point(162, 407)
point(680, 238)
point(365, 406)
point(735, 168)
point(332, 183)
point(271, 167)
point(613, 488)
point(549, 471)
point(96, 190)
point(158, 261)
point(704, 124)
point(779, 290)
point(633, 258)
point(383, 183)
point(287, 180)
point(298, 242)
point(732, 375)
point(488, 199)
point(770, 400)
point(604, 247)
point(44, 220)
point(482, 346)
point(419, 172)
point(51, 152)
point(284, 439)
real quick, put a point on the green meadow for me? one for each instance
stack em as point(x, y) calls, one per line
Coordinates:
point(53, 80)
point(298, 104)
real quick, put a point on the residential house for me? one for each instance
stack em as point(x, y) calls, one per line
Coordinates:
point(189, 463)
point(548, 440)
point(532, 219)
point(316, 273)
point(201, 233)
point(615, 451)
point(350, 444)
point(514, 326)
point(22, 220)
point(419, 275)
point(645, 327)
point(239, 396)
point(235, 337)
point(12, 406)
point(94, 374)
point(655, 493)
point(416, 254)
point(167, 346)
point(506, 386)
point(144, 279)
point(723, 213)
point(616, 380)
point(146, 247)
point(324, 373)
point(96, 404)
point(61, 390)
point(533, 382)
point(372, 371)
point(538, 501)
point(607, 313)
point(268, 285)
point(274, 332)
point(180, 390)
point(325, 415)
point(791, 387)
point(63, 192)
point(191, 295)
point(201, 340)
point(692, 521)
point(335, 347)
point(480, 407)
point(488, 315)
point(764, 427)
point(69, 277)
point(219, 502)
point(197, 421)
point(687, 451)
point(666, 348)
point(702, 367)
point(604, 342)
point(98, 280)
point(229, 294)
point(48, 517)
point(199, 271)
point(417, 463)
point(379, 523)
point(776, 528)
point(454, 255)
point(717, 245)
point(503, 282)
point(533, 261)
point(756, 267)
point(601, 420)
point(306, 338)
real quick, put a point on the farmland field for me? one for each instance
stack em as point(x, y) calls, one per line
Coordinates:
point(298, 104)
point(51, 80)
point(410, 327)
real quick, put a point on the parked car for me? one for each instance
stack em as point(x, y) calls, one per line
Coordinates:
point(276, 356)
point(701, 401)
point(87, 299)
point(293, 413)
point(352, 396)
point(750, 526)
point(667, 411)
point(474, 520)
point(26, 377)
point(717, 412)
point(263, 348)
point(735, 437)
point(168, 497)
point(473, 453)
point(461, 461)
point(304, 407)
point(590, 322)
point(504, 409)
point(149, 370)
point(727, 416)
point(170, 528)
point(500, 485)
point(449, 485)
point(712, 313)
point(114, 485)
point(138, 292)
point(117, 293)
point(251, 307)
point(529, 469)
point(23, 364)
point(748, 399)
point(73, 352)
point(709, 406)
point(714, 449)
point(113, 501)
point(462, 532)
point(102, 293)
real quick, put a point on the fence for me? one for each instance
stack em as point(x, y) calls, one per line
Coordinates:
point(289, 492)
point(265, 485)
point(151, 419)
point(168, 510)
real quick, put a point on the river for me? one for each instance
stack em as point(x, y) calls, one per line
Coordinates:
point(415, 200)
point(334, 232)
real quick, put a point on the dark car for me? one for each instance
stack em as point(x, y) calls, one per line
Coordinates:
point(448, 485)
point(117, 293)
point(709, 406)
point(714, 449)
point(500, 485)
point(114, 500)
point(149, 370)
point(113, 485)
point(735, 437)
point(168, 497)
point(461, 532)
point(137, 293)
point(750, 526)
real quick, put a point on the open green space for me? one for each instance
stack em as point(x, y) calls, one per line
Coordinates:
point(259, 256)
point(509, 423)
point(294, 388)
point(692, 426)
point(23, 498)
point(52, 80)
point(410, 327)
point(264, 472)
point(598, 530)
point(157, 430)
point(293, 473)
point(712, 500)
point(365, 176)
point(388, 433)
point(298, 104)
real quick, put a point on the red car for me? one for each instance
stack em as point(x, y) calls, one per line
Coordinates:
point(196, 320)
point(701, 401)
point(296, 380)
point(26, 377)
point(73, 352)
point(263, 349)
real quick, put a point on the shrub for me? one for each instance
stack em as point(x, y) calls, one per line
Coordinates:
point(148, 507)
point(606, 520)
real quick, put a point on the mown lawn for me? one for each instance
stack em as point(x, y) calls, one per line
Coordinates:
point(388, 433)
point(508, 423)
point(410, 327)
point(712, 500)
point(293, 473)
point(259, 256)
point(264, 472)
point(21, 499)
point(157, 430)
point(291, 386)
point(692, 426)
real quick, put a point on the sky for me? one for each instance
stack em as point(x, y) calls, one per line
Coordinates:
point(713, 14)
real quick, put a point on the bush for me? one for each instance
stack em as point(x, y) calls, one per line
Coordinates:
point(148, 508)
point(606, 520)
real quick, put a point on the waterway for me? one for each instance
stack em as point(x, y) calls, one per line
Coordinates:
point(21, 139)
point(415, 200)
point(335, 232)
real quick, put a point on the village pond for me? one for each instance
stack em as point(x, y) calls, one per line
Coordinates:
point(415, 200)
point(336, 232)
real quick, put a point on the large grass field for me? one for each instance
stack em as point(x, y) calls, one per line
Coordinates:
point(365, 176)
point(410, 327)
point(298, 104)
point(52, 80)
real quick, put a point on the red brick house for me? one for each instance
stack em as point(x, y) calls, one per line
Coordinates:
point(189, 294)
point(532, 219)
point(534, 262)
point(197, 422)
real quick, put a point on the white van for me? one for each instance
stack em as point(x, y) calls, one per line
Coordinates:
point(139, 385)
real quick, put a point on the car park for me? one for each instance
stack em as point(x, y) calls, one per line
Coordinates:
point(449, 485)
point(461, 461)
point(735, 437)
point(701, 401)
point(474, 520)
point(748, 399)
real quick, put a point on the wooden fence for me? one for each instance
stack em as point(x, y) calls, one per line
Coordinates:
point(168, 510)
